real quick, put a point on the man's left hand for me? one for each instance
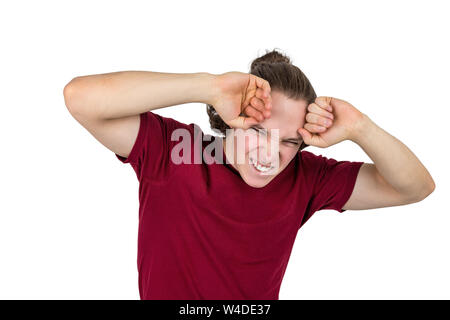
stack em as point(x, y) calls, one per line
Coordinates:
point(330, 121)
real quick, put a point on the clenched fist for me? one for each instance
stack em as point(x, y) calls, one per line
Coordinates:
point(241, 99)
point(330, 121)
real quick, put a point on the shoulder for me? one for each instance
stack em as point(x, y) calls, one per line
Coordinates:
point(311, 157)
point(310, 160)
point(169, 130)
point(315, 166)
point(165, 122)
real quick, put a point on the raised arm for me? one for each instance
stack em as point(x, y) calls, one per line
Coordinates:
point(108, 105)
point(397, 177)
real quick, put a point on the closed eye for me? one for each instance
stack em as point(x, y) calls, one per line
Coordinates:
point(295, 143)
point(258, 130)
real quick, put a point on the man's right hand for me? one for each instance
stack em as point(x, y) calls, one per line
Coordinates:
point(241, 99)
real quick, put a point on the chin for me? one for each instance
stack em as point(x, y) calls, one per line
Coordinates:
point(255, 184)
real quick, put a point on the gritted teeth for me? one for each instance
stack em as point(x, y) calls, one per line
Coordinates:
point(259, 166)
point(262, 164)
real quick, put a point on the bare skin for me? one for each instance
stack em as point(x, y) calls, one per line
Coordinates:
point(108, 106)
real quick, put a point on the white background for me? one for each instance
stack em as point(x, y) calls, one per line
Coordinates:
point(69, 208)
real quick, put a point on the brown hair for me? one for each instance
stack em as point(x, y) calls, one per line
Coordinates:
point(282, 75)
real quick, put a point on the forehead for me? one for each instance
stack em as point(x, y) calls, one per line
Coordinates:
point(287, 115)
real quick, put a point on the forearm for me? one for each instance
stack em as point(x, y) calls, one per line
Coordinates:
point(126, 93)
point(395, 162)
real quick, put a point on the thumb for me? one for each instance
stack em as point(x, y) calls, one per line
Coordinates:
point(306, 135)
point(243, 122)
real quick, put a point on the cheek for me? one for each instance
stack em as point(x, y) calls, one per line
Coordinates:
point(287, 154)
point(251, 143)
point(246, 143)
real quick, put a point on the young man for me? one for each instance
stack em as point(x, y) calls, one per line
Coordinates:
point(225, 230)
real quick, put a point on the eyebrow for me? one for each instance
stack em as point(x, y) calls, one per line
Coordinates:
point(298, 139)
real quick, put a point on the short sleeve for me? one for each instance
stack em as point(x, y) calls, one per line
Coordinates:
point(333, 182)
point(150, 154)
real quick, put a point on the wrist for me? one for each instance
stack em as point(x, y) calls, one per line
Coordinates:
point(207, 87)
point(362, 128)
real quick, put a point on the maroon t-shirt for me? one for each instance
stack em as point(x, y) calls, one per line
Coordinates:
point(206, 234)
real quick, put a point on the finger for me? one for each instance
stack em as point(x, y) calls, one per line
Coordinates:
point(313, 107)
point(267, 100)
point(248, 122)
point(310, 139)
point(314, 128)
point(243, 122)
point(306, 135)
point(252, 112)
point(264, 85)
point(314, 118)
point(324, 102)
point(260, 106)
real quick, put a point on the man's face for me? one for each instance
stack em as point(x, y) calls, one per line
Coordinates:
point(253, 155)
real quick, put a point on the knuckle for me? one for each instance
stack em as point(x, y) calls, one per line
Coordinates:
point(317, 128)
point(253, 102)
point(256, 102)
point(313, 118)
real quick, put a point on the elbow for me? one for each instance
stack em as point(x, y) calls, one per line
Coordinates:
point(431, 188)
point(426, 191)
point(84, 97)
point(72, 96)
point(78, 97)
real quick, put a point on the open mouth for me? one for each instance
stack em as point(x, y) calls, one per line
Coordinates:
point(260, 167)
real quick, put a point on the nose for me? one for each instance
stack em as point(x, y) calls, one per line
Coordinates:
point(268, 151)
